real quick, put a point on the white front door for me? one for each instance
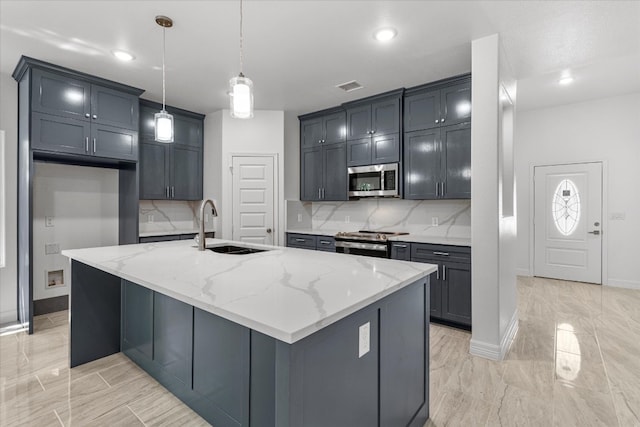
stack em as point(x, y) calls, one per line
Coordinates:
point(253, 199)
point(568, 222)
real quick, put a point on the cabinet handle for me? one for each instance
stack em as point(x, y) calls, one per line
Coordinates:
point(300, 240)
point(86, 144)
point(166, 192)
point(87, 115)
point(95, 116)
point(442, 121)
point(324, 242)
point(173, 192)
point(437, 189)
point(400, 246)
point(444, 272)
point(319, 192)
point(441, 253)
point(438, 273)
point(437, 120)
point(94, 145)
point(442, 193)
point(319, 141)
point(323, 193)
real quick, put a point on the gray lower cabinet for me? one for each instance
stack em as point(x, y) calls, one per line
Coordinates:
point(171, 171)
point(401, 251)
point(451, 286)
point(437, 163)
point(172, 337)
point(172, 237)
point(310, 241)
point(137, 320)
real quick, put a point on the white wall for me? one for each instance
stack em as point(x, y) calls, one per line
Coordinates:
point(226, 137)
point(9, 123)
point(291, 156)
point(492, 270)
point(83, 202)
point(605, 130)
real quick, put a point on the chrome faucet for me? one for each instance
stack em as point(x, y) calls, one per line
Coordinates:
point(214, 212)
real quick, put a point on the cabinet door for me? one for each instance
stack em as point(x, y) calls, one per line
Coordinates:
point(114, 108)
point(359, 122)
point(186, 173)
point(385, 148)
point(172, 337)
point(187, 131)
point(147, 127)
point(401, 251)
point(456, 292)
point(422, 111)
point(385, 116)
point(335, 129)
point(303, 241)
point(456, 161)
point(435, 293)
point(137, 320)
point(154, 164)
point(311, 173)
point(311, 132)
point(421, 164)
point(221, 361)
point(334, 164)
point(456, 104)
point(60, 95)
point(359, 152)
point(59, 134)
point(326, 244)
point(114, 143)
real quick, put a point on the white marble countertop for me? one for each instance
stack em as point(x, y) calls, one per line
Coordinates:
point(411, 238)
point(171, 232)
point(285, 293)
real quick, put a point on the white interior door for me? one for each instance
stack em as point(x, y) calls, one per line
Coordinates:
point(253, 199)
point(568, 222)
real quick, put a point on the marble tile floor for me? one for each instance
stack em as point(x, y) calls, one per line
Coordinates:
point(574, 362)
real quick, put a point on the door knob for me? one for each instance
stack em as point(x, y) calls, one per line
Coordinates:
point(596, 232)
point(269, 230)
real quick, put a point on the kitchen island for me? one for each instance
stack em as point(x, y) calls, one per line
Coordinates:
point(282, 337)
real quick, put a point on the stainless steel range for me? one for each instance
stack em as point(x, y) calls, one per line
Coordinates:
point(365, 242)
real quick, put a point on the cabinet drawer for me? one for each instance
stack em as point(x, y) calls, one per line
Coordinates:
point(401, 251)
point(304, 241)
point(433, 253)
point(326, 243)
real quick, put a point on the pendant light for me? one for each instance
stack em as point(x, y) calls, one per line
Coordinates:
point(163, 120)
point(241, 88)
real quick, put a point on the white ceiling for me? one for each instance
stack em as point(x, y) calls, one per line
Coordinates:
point(297, 51)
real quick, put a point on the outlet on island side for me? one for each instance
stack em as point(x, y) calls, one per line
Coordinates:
point(299, 217)
point(434, 221)
point(364, 339)
point(149, 218)
point(347, 219)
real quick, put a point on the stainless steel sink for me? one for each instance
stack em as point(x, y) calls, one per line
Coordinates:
point(235, 250)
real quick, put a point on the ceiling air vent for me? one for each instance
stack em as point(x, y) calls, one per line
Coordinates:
point(350, 86)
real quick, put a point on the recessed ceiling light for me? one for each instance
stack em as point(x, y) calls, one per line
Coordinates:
point(122, 55)
point(385, 34)
point(565, 78)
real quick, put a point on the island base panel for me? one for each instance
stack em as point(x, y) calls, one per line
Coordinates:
point(94, 314)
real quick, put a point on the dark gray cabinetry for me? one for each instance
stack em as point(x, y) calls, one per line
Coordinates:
point(373, 130)
point(456, 161)
point(171, 171)
point(172, 237)
point(137, 320)
point(451, 289)
point(172, 337)
point(310, 241)
point(442, 103)
point(401, 251)
point(323, 167)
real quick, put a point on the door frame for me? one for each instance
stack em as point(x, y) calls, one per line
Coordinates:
point(605, 215)
point(278, 235)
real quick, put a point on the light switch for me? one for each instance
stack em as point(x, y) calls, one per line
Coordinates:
point(149, 218)
point(364, 340)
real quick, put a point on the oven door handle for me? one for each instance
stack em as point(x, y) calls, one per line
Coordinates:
point(359, 245)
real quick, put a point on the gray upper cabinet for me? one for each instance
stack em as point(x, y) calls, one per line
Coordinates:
point(171, 171)
point(456, 157)
point(443, 103)
point(73, 115)
point(373, 130)
point(422, 164)
point(323, 156)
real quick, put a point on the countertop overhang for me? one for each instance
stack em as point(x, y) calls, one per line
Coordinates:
point(285, 293)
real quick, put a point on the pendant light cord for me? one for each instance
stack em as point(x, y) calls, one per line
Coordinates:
point(164, 43)
point(241, 50)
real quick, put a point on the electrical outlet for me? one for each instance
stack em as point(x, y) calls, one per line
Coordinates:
point(347, 219)
point(434, 221)
point(48, 221)
point(299, 217)
point(364, 339)
point(51, 248)
point(149, 218)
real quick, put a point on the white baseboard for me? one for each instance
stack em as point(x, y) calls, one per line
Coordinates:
point(629, 284)
point(8, 316)
point(493, 351)
point(523, 272)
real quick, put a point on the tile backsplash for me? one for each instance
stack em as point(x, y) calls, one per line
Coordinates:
point(453, 217)
point(170, 215)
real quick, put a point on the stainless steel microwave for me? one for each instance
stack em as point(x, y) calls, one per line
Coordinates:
point(374, 181)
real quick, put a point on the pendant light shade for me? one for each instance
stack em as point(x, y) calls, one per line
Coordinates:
point(241, 88)
point(163, 121)
point(241, 97)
